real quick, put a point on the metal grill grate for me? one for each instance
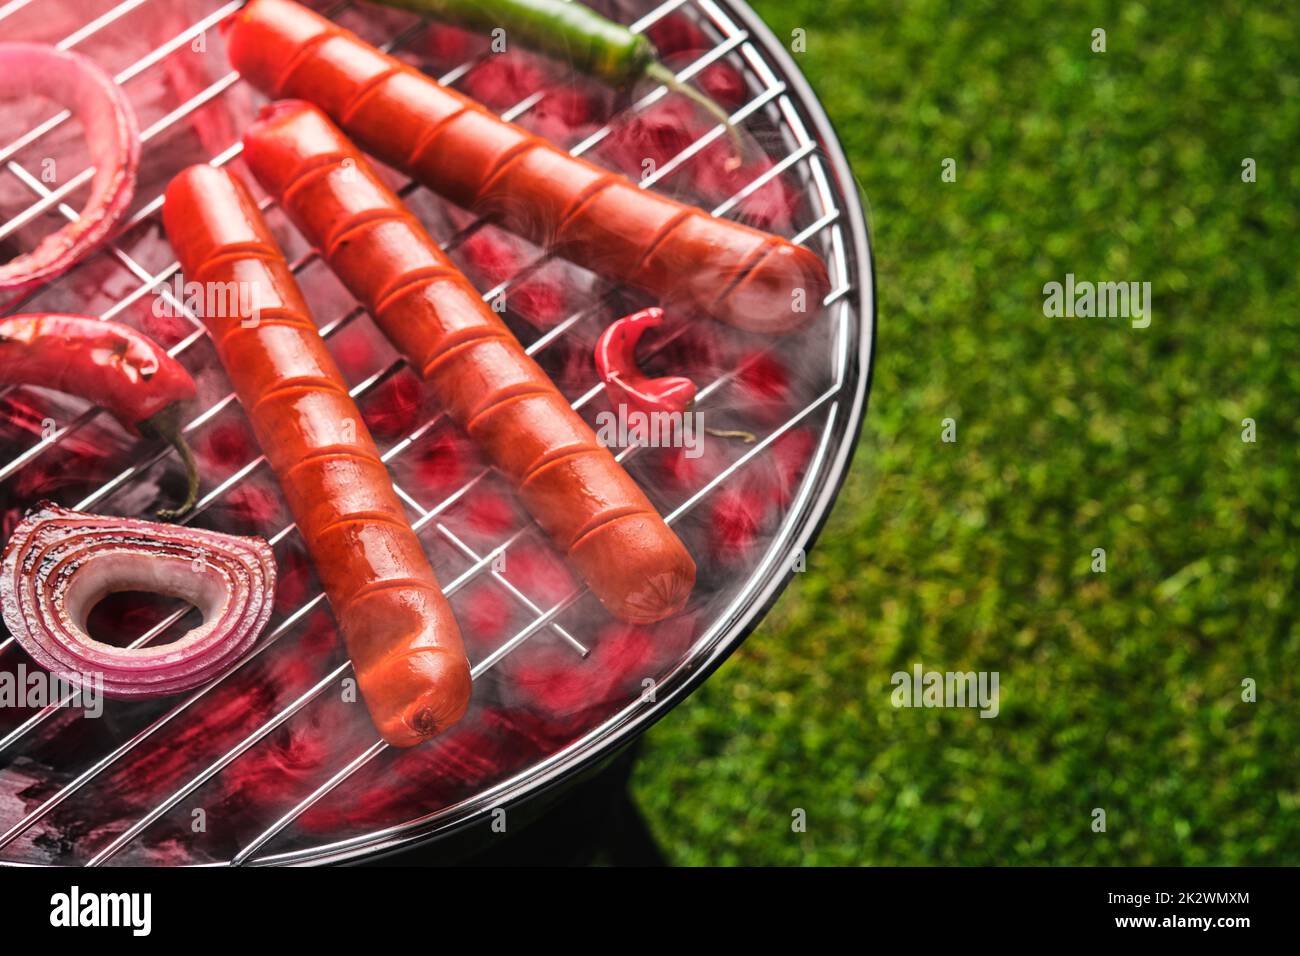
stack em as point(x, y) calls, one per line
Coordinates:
point(836, 232)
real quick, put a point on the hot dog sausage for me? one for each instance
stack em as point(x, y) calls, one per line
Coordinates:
point(599, 219)
point(581, 496)
point(399, 628)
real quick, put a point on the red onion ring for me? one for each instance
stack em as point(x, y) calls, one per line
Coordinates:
point(34, 69)
point(59, 564)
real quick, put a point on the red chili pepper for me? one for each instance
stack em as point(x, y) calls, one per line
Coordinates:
point(616, 363)
point(124, 372)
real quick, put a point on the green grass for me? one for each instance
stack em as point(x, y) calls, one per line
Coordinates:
point(1119, 690)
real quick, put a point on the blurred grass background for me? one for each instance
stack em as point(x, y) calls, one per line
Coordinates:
point(1119, 690)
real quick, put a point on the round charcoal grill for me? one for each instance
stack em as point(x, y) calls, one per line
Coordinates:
point(275, 763)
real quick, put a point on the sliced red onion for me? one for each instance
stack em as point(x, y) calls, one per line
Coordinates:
point(59, 564)
point(112, 135)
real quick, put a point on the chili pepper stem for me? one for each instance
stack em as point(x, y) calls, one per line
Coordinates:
point(661, 74)
point(166, 425)
point(747, 437)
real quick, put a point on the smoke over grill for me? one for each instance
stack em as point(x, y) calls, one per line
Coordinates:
point(277, 760)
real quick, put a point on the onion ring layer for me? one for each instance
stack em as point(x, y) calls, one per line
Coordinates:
point(112, 134)
point(59, 564)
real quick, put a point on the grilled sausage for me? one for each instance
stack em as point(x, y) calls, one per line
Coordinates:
point(399, 628)
point(581, 496)
point(599, 219)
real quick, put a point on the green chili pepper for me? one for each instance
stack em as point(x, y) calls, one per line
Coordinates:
point(572, 32)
